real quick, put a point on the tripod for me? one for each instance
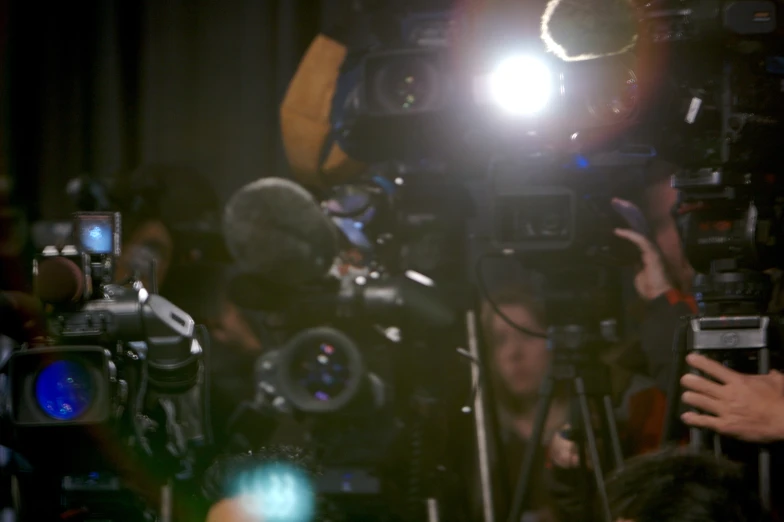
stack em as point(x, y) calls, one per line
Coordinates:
point(573, 363)
point(733, 323)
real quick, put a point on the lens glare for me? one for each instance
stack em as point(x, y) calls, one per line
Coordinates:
point(521, 85)
point(64, 390)
point(322, 371)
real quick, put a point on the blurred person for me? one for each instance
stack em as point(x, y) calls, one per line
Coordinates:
point(519, 363)
point(663, 280)
point(171, 217)
point(676, 486)
point(170, 222)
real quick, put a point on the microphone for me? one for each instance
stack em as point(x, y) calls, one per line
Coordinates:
point(59, 281)
point(578, 30)
point(21, 316)
point(276, 230)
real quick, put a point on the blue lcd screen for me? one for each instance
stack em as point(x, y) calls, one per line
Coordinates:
point(96, 235)
point(64, 390)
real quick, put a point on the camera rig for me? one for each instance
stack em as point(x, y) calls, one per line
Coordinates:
point(722, 132)
point(118, 364)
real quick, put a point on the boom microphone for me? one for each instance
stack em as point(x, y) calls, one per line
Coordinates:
point(578, 30)
point(275, 229)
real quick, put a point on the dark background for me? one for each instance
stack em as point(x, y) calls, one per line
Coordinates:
point(102, 86)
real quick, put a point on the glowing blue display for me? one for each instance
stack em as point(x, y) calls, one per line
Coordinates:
point(64, 390)
point(96, 236)
point(277, 493)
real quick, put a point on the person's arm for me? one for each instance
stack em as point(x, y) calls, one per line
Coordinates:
point(658, 333)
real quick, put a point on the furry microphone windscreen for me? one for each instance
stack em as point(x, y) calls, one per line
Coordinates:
point(274, 228)
point(578, 30)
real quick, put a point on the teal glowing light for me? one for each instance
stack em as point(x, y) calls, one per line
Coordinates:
point(277, 493)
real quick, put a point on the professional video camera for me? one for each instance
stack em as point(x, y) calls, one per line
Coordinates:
point(361, 344)
point(539, 145)
point(426, 90)
point(357, 374)
point(120, 367)
point(722, 125)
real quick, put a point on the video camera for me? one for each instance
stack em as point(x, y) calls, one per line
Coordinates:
point(721, 119)
point(118, 362)
point(357, 355)
point(417, 94)
point(721, 116)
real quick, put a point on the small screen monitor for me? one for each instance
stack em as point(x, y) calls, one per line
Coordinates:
point(95, 232)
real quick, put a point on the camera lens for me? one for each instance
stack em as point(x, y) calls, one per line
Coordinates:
point(406, 85)
point(64, 390)
point(322, 370)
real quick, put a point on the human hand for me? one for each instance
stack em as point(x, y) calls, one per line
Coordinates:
point(564, 452)
point(652, 279)
point(748, 407)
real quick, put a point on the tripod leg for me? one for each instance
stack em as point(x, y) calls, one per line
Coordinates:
point(612, 429)
point(522, 488)
point(763, 367)
point(671, 420)
point(696, 435)
point(593, 448)
point(695, 439)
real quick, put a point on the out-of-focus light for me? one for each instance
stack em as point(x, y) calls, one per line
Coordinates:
point(521, 85)
point(64, 390)
point(278, 493)
point(581, 162)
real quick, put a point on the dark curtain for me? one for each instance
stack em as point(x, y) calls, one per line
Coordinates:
point(102, 86)
point(4, 105)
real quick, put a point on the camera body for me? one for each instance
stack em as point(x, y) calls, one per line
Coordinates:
point(720, 116)
point(113, 356)
point(351, 372)
point(731, 229)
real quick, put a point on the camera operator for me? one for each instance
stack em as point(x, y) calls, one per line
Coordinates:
point(748, 407)
point(519, 364)
point(158, 201)
point(663, 280)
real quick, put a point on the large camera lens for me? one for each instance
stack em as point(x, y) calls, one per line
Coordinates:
point(406, 84)
point(64, 390)
point(322, 370)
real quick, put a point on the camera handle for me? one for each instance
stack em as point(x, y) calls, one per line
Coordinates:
point(722, 335)
point(572, 364)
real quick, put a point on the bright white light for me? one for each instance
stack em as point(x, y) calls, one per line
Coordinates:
point(521, 85)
